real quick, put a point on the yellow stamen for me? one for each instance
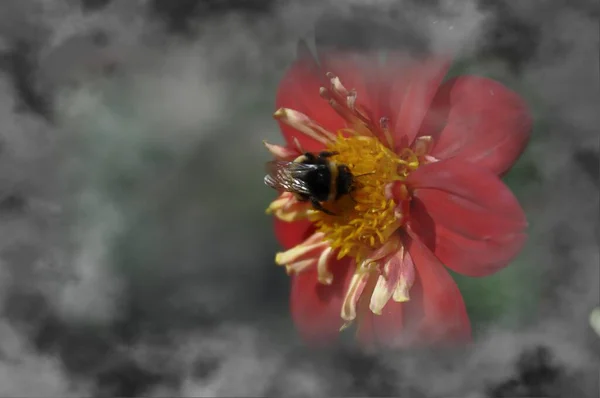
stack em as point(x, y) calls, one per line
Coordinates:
point(365, 219)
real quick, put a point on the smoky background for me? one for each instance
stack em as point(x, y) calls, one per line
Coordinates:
point(135, 256)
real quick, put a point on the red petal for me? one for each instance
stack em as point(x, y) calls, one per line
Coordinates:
point(411, 94)
point(316, 308)
point(436, 312)
point(290, 234)
point(479, 120)
point(466, 216)
point(382, 330)
point(466, 256)
point(299, 90)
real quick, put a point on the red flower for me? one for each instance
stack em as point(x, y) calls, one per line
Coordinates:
point(433, 150)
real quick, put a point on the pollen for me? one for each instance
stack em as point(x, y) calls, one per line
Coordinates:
point(363, 220)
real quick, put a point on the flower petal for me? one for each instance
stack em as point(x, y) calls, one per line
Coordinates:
point(290, 234)
point(436, 312)
point(466, 199)
point(412, 91)
point(466, 216)
point(385, 330)
point(299, 90)
point(479, 120)
point(316, 307)
point(462, 254)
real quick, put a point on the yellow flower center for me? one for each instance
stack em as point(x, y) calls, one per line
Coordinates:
point(365, 219)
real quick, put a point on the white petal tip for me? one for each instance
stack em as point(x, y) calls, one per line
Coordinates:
point(279, 113)
point(401, 298)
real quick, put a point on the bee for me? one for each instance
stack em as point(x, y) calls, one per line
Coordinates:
point(312, 177)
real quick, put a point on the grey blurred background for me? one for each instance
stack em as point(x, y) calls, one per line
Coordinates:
point(135, 256)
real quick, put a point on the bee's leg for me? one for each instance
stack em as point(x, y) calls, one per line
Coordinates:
point(317, 206)
point(300, 197)
point(327, 154)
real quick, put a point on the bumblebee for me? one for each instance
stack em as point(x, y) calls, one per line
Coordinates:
point(311, 177)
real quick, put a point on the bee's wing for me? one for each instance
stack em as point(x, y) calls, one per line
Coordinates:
point(286, 176)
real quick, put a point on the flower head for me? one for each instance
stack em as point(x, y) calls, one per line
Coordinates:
point(425, 155)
